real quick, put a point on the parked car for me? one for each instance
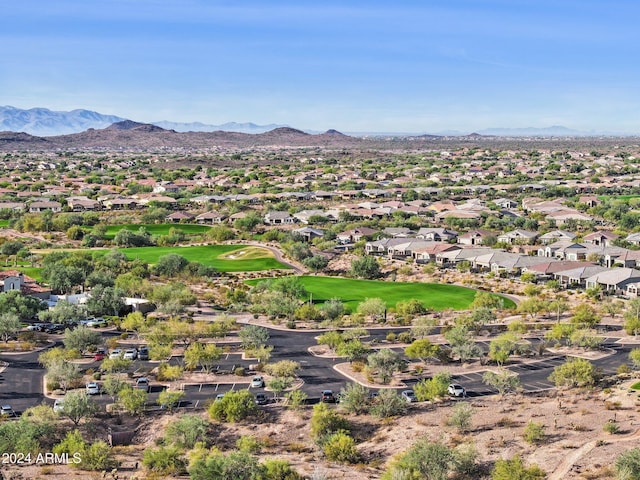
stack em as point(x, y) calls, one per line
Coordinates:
point(143, 384)
point(130, 354)
point(58, 405)
point(219, 396)
point(257, 382)
point(115, 353)
point(143, 353)
point(54, 328)
point(261, 399)
point(97, 322)
point(99, 355)
point(456, 390)
point(327, 397)
point(92, 388)
point(7, 411)
point(409, 396)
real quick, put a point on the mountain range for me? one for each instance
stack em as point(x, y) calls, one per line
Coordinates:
point(44, 122)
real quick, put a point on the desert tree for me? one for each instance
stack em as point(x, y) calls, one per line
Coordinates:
point(9, 326)
point(385, 362)
point(78, 405)
point(577, 372)
point(354, 398)
point(503, 381)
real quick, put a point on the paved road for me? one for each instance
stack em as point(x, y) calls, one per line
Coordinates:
point(21, 382)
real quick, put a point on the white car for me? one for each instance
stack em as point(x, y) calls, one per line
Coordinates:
point(456, 390)
point(58, 406)
point(143, 384)
point(7, 411)
point(257, 382)
point(97, 322)
point(130, 354)
point(115, 353)
point(409, 396)
point(92, 388)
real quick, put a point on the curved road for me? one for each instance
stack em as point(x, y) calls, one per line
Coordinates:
point(22, 381)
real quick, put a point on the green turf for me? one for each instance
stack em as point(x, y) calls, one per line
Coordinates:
point(624, 198)
point(33, 272)
point(156, 229)
point(4, 223)
point(433, 296)
point(635, 386)
point(208, 255)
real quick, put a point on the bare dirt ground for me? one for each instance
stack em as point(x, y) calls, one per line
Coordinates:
point(575, 444)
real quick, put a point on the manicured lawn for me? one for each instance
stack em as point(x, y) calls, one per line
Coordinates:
point(433, 296)
point(4, 223)
point(33, 272)
point(635, 386)
point(624, 198)
point(224, 258)
point(157, 229)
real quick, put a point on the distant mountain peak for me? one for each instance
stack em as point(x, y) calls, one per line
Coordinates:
point(286, 131)
point(331, 131)
point(246, 127)
point(44, 122)
point(131, 125)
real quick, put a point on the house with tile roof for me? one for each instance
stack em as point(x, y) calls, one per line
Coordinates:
point(16, 280)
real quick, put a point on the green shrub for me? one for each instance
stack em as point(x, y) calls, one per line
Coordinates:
point(534, 433)
point(274, 469)
point(460, 418)
point(340, 447)
point(187, 431)
point(249, 444)
point(514, 469)
point(611, 427)
point(628, 465)
point(98, 457)
point(233, 407)
point(164, 460)
point(325, 421)
point(167, 372)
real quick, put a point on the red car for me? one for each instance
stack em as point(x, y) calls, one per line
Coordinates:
point(99, 355)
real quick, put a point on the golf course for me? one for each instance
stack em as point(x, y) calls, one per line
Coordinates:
point(156, 229)
point(224, 258)
point(434, 296)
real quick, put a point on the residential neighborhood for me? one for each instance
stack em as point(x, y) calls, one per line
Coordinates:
point(305, 286)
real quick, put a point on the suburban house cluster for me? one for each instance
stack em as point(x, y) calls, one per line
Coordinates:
point(594, 261)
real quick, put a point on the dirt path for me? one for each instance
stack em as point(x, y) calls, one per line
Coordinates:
point(569, 461)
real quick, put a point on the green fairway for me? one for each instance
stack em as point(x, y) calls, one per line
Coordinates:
point(224, 258)
point(157, 229)
point(623, 198)
point(4, 223)
point(33, 272)
point(434, 296)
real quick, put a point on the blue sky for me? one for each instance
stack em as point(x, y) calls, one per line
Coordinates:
point(356, 66)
